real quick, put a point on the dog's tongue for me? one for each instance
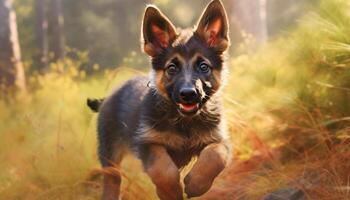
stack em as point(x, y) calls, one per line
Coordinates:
point(188, 107)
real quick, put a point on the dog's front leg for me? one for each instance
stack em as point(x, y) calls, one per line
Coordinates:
point(163, 173)
point(212, 160)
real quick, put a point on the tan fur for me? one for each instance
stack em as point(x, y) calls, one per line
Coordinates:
point(199, 55)
point(150, 49)
point(164, 173)
point(217, 155)
point(159, 79)
point(217, 77)
point(178, 56)
point(177, 142)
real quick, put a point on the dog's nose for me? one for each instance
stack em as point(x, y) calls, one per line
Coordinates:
point(188, 94)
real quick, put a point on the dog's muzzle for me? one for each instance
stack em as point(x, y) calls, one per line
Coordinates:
point(189, 101)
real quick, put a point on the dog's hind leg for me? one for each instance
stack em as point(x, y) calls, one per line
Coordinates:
point(111, 184)
point(112, 176)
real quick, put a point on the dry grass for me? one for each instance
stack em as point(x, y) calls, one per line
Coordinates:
point(48, 148)
point(287, 107)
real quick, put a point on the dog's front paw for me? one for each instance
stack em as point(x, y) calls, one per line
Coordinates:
point(197, 184)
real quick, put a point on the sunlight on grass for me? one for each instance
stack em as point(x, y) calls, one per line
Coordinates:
point(287, 107)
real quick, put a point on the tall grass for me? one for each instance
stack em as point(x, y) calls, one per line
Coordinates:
point(287, 105)
point(293, 97)
point(48, 138)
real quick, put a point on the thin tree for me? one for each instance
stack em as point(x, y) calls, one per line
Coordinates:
point(11, 67)
point(42, 33)
point(58, 30)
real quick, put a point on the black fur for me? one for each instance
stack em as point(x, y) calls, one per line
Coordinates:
point(119, 118)
point(94, 104)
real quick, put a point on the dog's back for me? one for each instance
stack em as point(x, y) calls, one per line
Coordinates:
point(118, 118)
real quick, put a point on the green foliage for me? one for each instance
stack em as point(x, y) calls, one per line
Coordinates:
point(305, 72)
point(26, 28)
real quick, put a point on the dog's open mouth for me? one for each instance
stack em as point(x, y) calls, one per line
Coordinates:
point(188, 108)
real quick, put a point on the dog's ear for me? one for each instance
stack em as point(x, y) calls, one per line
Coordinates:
point(157, 31)
point(213, 28)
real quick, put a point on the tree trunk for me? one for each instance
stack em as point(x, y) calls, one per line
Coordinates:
point(250, 17)
point(42, 33)
point(58, 30)
point(11, 68)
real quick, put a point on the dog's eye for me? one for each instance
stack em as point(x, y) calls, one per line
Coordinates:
point(172, 69)
point(204, 67)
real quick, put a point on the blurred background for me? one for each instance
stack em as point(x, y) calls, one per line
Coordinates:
point(287, 97)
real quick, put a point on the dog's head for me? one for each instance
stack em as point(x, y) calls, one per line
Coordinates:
point(187, 64)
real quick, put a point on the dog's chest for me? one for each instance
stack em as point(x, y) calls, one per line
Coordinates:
point(182, 149)
point(181, 144)
point(179, 141)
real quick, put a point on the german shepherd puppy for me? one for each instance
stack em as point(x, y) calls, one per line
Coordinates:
point(173, 115)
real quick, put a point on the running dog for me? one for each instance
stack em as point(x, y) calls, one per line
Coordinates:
point(173, 115)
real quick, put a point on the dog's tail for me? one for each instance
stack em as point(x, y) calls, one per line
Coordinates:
point(94, 104)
